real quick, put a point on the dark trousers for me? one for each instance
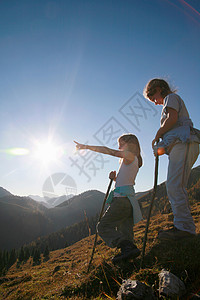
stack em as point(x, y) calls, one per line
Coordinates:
point(116, 225)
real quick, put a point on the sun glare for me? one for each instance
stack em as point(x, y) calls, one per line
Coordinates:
point(47, 152)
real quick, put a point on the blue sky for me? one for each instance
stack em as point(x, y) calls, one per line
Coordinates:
point(75, 70)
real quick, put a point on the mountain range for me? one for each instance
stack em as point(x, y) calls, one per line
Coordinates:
point(23, 219)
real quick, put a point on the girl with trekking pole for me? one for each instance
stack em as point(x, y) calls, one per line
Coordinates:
point(180, 141)
point(116, 225)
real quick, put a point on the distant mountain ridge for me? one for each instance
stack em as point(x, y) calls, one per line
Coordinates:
point(51, 202)
point(4, 192)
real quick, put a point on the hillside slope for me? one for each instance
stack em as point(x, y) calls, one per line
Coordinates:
point(21, 220)
point(64, 275)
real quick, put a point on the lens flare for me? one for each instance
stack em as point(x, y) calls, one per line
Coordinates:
point(17, 151)
point(191, 7)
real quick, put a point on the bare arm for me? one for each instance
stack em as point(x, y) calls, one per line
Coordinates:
point(105, 150)
point(99, 149)
point(172, 117)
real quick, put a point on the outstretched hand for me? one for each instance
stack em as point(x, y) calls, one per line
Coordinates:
point(79, 146)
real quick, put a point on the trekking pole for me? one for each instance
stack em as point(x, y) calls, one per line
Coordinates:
point(150, 208)
point(101, 213)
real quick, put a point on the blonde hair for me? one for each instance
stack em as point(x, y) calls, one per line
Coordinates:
point(132, 141)
point(150, 88)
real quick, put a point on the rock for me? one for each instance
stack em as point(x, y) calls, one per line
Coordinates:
point(170, 285)
point(134, 289)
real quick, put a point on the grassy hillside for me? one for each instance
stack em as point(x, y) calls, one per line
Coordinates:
point(64, 275)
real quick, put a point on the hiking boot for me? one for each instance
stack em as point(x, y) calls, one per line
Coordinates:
point(174, 234)
point(128, 250)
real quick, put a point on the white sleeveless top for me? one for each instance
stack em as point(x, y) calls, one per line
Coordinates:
point(126, 174)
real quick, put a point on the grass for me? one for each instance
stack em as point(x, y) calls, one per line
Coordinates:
point(64, 275)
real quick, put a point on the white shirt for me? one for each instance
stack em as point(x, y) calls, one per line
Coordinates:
point(126, 174)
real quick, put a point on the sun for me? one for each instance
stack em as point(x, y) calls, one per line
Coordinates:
point(47, 152)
